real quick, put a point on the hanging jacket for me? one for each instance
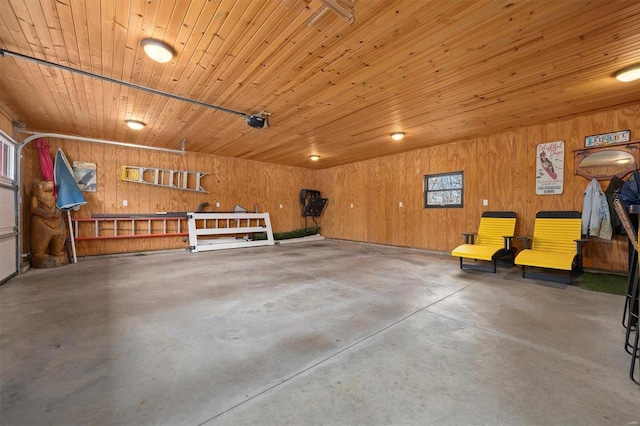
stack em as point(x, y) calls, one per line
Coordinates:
point(596, 220)
point(630, 191)
point(614, 186)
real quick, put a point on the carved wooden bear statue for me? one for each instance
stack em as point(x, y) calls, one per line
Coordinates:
point(48, 232)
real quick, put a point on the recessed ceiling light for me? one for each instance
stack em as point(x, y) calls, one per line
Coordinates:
point(397, 136)
point(314, 157)
point(135, 125)
point(157, 50)
point(629, 73)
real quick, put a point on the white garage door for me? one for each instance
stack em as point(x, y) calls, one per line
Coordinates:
point(8, 225)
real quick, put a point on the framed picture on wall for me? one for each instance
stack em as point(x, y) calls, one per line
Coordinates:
point(443, 190)
point(550, 168)
point(85, 176)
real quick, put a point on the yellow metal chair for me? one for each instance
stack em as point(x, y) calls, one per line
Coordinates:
point(492, 241)
point(556, 244)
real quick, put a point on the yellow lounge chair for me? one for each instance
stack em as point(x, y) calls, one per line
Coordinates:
point(493, 240)
point(556, 244)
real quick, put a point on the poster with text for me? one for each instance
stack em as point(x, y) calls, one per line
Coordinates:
point(85, 176)
point(550, 168)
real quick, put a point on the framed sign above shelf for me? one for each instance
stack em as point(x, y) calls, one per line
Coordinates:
point(605, 139)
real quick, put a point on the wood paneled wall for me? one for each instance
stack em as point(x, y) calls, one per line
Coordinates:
point(499, 168)
point(229, 182)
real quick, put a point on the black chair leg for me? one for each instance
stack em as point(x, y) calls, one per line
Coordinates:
point(633, 276)
point(635, 358)
point(632, 322)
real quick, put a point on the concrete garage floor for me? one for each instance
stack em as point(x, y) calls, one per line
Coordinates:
point(316, 333)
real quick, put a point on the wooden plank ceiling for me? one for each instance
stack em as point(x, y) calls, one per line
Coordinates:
point(440, 71)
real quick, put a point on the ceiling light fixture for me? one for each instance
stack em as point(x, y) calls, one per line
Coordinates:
point(314, 157)
point(157, 50)
point(397, 136)
point(629, 73)
point(135, 125)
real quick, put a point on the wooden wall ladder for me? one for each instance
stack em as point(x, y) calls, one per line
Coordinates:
point(167, 178)
point(101, 228)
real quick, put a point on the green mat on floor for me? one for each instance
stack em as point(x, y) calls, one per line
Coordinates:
point(298, 233)
point(604, 283)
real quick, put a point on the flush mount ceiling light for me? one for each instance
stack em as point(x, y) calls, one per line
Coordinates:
point(397, 136)
point(135, 125)
point(314, 157)
point(157, 50)
point(629, 73)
